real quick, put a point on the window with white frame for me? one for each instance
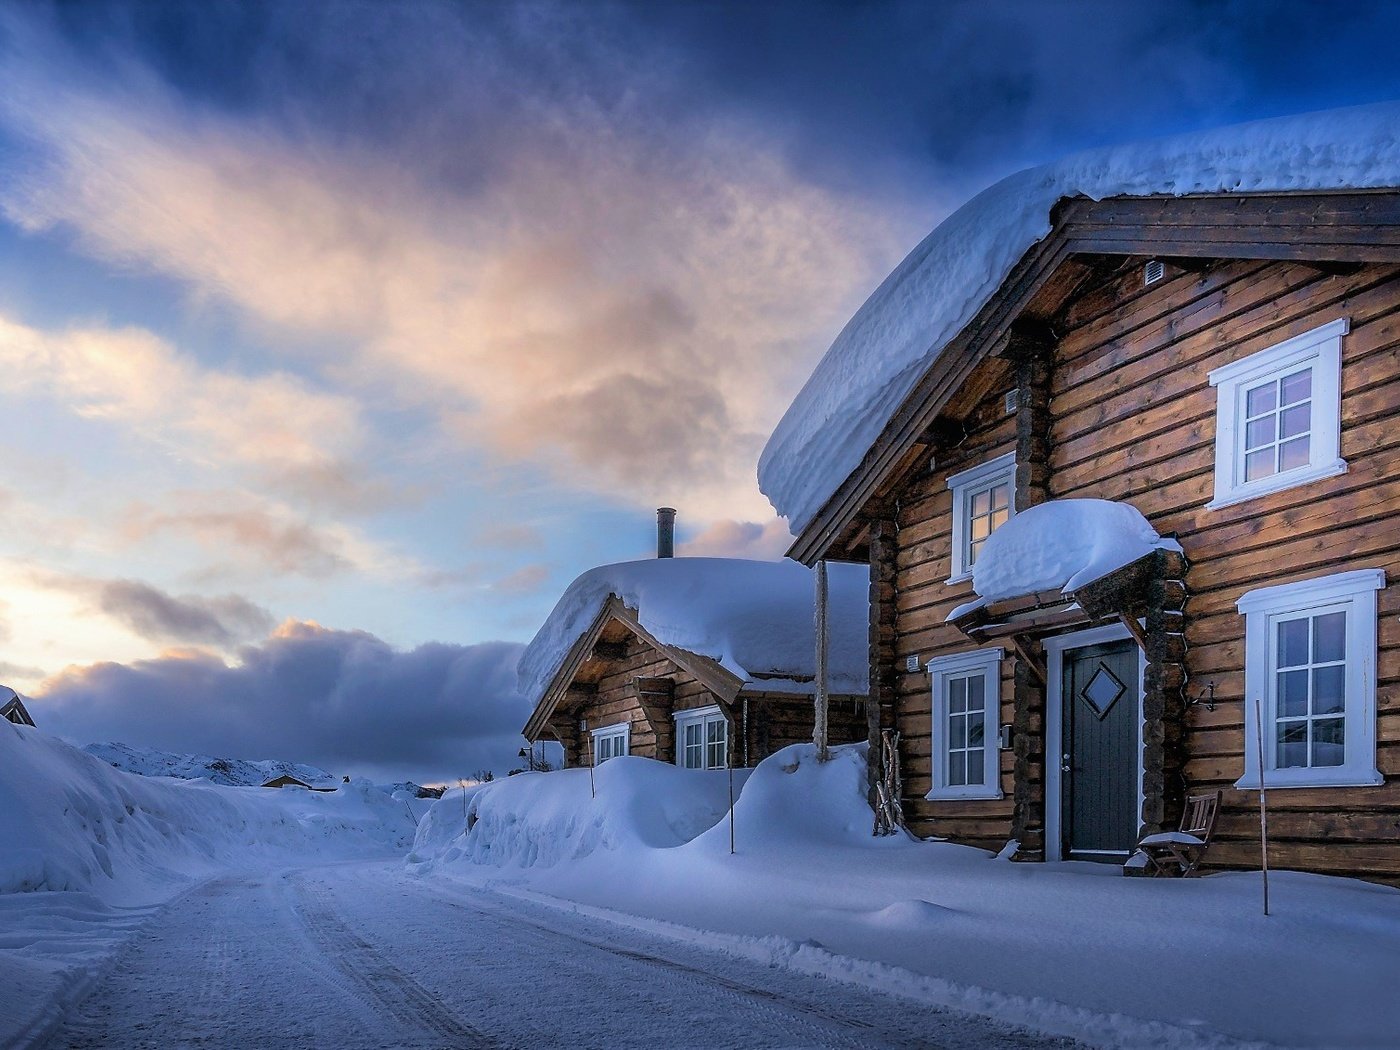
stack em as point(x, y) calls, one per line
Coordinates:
point(966, 703)
point(702, 738)
point(1278, 416)
point(984, 498)
point(610, 741)
point(1310, 666)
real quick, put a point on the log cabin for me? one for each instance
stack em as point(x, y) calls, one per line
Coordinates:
point(1204, 331)
point(12, 708)
point(702, 662)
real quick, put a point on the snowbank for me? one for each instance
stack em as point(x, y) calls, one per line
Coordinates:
point(753, 617)
point(935, 292)
point(1061, 545)
point(542, 819)
point(1072, 948)
point(69, 821)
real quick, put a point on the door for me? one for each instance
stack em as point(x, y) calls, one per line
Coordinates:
point(1100, 694)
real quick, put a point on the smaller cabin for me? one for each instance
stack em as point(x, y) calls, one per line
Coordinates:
point(707, 663)
point(286, 780)
point(12, 708)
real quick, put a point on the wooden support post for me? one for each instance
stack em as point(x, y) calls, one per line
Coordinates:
point(879, 708)
point(823, 699)
point(1164, 696)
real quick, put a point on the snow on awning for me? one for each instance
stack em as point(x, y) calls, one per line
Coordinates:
point(893, 339)
point(753, 618)
point(1060, 545)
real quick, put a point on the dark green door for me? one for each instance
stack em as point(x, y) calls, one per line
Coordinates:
point(1099, 763)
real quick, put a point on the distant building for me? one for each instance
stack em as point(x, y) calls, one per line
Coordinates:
point(290, 781)
point(12, 708)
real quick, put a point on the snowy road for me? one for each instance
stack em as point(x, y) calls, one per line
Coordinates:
point(362, 955)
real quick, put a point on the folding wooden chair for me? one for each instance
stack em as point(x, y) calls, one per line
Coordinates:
point(1178, 853)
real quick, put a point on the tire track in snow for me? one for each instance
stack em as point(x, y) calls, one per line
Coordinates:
point(388, 988)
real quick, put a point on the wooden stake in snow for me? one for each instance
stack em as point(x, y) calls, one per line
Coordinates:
point(823, 700)
point(463, 783)
point(731, 808)
point(1263, 808)
point(588, 751)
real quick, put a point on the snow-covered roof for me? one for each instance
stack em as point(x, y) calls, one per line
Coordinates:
point(939, 288)
point(1060, 545)
point(754, 618)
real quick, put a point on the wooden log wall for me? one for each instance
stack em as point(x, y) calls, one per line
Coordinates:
point(1133, 419)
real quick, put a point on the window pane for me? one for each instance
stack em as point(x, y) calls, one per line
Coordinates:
point(1329, 742)
point(1329, 637)
point(957, 696)
point(694, 734)
point(999, 518)
point(1001, 497)
point(1296, 420)
point(957, 769)
point(981, 502)
point(1293, 643)
point(973, 548)
point(1292, 744)
point(976, 728)
point(981, 528)
point(1260, 432)
point(1260, 399)
point(957, 731)
point(1259, 464)
point(1297, 387)
point(1292, 693)
point(1329, 689)
point(976, 765)
point(715, 729)
point(1293, 454)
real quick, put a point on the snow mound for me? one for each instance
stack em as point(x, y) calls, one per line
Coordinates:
point(69, 821)
point(542, 819)
point(148, 762)
point(889, 344)
point(792, 799)
point(1062, 545)
point(754, 618)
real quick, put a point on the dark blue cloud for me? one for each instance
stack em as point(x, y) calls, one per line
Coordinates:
point(343, 700)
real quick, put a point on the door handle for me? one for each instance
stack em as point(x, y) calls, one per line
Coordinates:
point(1065, 767)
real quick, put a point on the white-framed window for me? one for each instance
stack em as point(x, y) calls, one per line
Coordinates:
point(1310, 661)
point(702, 738)
point(966, 706)
point(984, 498)
point(1278, 416)
point(611, 741)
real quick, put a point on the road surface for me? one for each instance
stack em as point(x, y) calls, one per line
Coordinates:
point(363, 955)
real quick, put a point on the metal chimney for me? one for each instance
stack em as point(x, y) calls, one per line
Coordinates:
point(665, 532)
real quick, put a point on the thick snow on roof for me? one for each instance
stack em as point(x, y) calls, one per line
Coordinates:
point(932, 295)
point(755, 618)
point(1062, 545)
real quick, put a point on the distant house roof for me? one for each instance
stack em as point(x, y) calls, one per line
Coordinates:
point(286, 780)
point(860, 387)
point(12, 708)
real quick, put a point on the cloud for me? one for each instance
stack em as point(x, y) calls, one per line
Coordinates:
point(286, 545)
point(156, 616)
point(510, 537)
point(343, 700)
point(20, 671)
point(607, 292)
point(528, 579)
point(739, 539)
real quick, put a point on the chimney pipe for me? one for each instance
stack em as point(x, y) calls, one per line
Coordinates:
point(665, 532)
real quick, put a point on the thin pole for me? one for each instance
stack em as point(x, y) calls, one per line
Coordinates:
point(1263, 807)
point(588, 751)
point(819, 733)
point(463, 784)
point(731, 808)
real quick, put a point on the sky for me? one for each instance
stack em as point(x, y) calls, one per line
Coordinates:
point(337, 338)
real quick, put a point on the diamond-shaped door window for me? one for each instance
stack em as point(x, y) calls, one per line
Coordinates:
point(1102, 690)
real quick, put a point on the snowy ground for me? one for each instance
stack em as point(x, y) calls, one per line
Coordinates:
point(1074, 949)
point(363, 955)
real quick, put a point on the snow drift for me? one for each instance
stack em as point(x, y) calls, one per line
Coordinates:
point(69, 821)
point(936, 291)
point(752, 617)
point(149, 762)
point(540, 819)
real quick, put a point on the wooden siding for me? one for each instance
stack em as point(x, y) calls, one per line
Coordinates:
point(1133, 419)
point(774, 719)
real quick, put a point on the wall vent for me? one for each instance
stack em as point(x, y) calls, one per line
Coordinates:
point(1153, 272)
point(911, 662)
point(1009, 402)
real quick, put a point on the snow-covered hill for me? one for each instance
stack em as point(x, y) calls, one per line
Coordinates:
point(233, 772)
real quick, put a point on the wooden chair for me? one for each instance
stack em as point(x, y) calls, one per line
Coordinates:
point(1178, 853)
